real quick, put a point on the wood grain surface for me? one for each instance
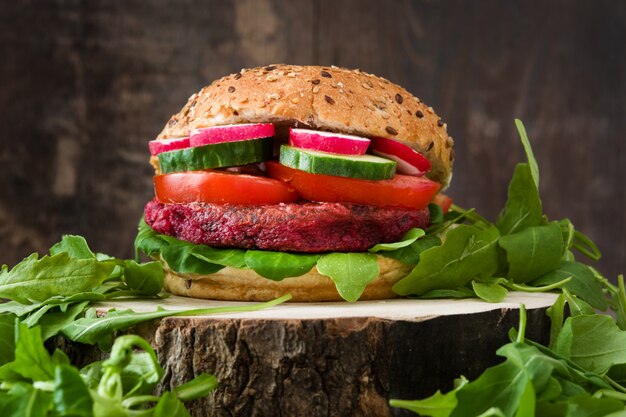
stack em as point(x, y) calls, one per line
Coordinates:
point(86, 84)
point(328, 359)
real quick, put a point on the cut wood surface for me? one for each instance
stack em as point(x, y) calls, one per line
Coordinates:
point(328, 359)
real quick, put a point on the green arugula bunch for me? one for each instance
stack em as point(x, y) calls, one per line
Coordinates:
point(56, 292)
point(581, 373)
point(37, 384)
point(522, 251)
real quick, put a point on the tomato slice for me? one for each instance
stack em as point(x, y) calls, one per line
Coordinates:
point(443, 201)
point(221, 188)
point(401, 191)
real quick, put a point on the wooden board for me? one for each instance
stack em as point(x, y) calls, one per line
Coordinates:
point(329, 359)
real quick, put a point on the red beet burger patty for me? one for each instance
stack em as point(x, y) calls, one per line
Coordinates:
point(297, 227)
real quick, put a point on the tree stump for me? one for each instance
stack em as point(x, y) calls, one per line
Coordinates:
point(329, 359)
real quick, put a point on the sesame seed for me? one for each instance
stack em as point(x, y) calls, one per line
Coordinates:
point(326, 74)
point(271, 78)
point(430, 146)
point(329, 100)
point(316, 89)
point(399, 99)
point(391, 130)
point(237, 76)
point(315, 81)
point(270, 68)
point(366, 86)
point(440, 123)
point(452, 155)
point(188, 284)
point(231, 89)
point(419, 114)
point(295, 100)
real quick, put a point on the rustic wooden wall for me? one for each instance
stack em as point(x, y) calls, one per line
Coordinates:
point(85, 85)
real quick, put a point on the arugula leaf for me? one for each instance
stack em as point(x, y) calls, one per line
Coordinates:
point(577, 307)
point(556, 313)
point(408, 238)
point(32, 361)
point(505, 386)
point(533, 251)
point(25, 401)
point(147, 240)
point(437, 405)
point(227, 257)
point(468, 252)
point(146, 278)
point(490, 290)
point(170, 406)
point(351, 272)
point(71, 396)
point(618, 302)
point(583, 283)
point(19, 309)
point(530, 156)
point(181, 259)
point(75, 246)
point(523, 207)
point(435, 213)
point(92, 329)
point(52, 323)
point(279, 265)
point(584, 405)
point(36, 279)
point(461, 292)
point(411, 254)
point(198, 387)
point(597, 343)
point(7, 338)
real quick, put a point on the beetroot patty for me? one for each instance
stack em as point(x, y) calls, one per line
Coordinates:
point(297, 227)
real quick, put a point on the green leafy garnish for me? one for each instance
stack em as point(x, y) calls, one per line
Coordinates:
point(279, 265)
point(468, 252)
point(582, 372)
point(351, 272)
point(533, 251)
point(36, 383)
point(409, 238)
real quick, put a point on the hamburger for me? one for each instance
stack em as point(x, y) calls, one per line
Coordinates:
point(293, 179)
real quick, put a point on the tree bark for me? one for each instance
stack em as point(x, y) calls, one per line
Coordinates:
point(278, 362)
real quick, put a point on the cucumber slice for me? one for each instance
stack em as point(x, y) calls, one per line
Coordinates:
point(367, 167)
point(218, 155)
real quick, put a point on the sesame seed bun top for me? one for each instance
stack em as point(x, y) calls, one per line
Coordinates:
point(324, 98)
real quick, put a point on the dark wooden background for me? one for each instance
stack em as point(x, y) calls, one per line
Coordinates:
point(86, 84)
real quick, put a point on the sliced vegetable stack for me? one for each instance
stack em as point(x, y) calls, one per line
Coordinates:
point(316, 166)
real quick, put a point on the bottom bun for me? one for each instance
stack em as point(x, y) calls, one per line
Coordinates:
point(246, 285)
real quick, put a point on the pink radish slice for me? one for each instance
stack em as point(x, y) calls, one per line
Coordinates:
point(328, 142)
point(409, 161)
point(231, 133)
point(158, 146)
